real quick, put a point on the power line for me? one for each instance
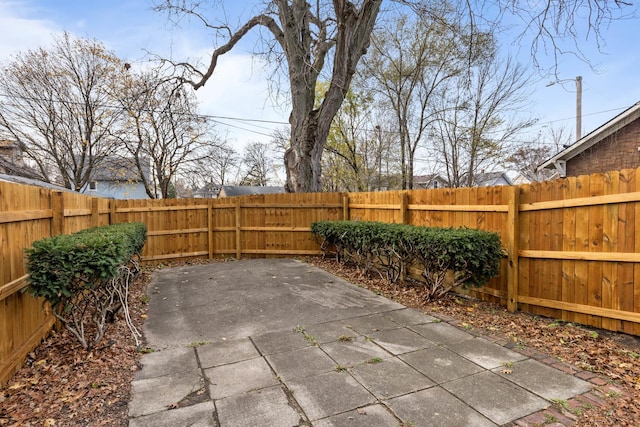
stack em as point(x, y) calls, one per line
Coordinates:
point(213, 118)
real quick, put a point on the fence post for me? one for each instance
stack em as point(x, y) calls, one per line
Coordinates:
point(345, 207)
point(57, 206)
point(112, 211)
point(95, 212)
point(513, 237)
point(238, 231)
point(210, 226)
point(404, 202)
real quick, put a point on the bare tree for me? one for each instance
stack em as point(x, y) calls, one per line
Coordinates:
point(57, 105)
point(307, 35)
point(161, 130)
point(410, 62)
point(525, 157)
point(481, 118)
point(259, 166)
point(216, 163)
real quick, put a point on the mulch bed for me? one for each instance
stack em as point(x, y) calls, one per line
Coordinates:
point(63, 385)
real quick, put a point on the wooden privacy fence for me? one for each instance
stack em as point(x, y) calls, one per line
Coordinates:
point(572, 245)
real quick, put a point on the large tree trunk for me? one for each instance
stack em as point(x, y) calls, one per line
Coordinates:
point(310, 126)
point(306, 39)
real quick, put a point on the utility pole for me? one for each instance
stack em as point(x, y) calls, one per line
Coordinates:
point(578, 81)
point(578, 108)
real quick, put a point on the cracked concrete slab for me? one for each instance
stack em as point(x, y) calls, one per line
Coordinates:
point(200, 415)
point(225, 352)
point(369, 416)
point(157, 394)
point(266, 407)
point(240, 377)
point(170, 361)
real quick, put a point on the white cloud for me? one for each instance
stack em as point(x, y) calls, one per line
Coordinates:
point(239, 88)
point(20, 32)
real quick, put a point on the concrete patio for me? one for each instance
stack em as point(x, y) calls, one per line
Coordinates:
point(276, 342)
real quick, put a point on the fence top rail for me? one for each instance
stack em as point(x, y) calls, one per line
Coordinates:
point(581, 201)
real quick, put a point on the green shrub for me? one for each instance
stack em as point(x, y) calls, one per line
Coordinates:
point(83, 275)
point(448, 258)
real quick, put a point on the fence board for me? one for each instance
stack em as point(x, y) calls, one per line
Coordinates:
point(626, 243)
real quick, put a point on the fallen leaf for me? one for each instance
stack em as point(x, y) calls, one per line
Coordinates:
point(361, 411)
point(507, 371)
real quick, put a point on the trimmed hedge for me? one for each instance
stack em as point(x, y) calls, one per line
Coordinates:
point(85, 275)
point(447, 257)
point(62, 266)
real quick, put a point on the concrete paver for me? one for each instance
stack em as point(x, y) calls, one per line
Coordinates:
point(495, 397)
point(374, 415)
point(534, 376)
point(266, 407)
point(436, 407)
point(281, 343)
point(169, 362)
point(485, 353)
point(305, 362)
point(156, 394)
point(329, 394)
point(441, 364)
point(240, 377)
point(442, 333)
point(399, 341)
point(366, 325)
point(225, 352)
point(390, 378)
point(356, 351)
point(198, 415)
point(409, 317)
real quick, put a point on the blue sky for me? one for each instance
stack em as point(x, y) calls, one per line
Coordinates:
point(130, 27)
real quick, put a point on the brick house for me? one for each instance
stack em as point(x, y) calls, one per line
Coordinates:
point(613, 146)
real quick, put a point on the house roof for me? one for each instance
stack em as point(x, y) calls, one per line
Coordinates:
point(208, 190)
point(489, 179)
point(119, 169)
point(615, 124)
point(249, 190)
point(28, 181)
point(426, 179)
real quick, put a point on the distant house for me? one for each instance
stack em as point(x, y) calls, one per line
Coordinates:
point(247, 190)
point(30, 181)
point(519, 179)
point(429, 181)
point(613, 146)
point(208, 191)
point(492, 179)
point(117, 178)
